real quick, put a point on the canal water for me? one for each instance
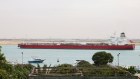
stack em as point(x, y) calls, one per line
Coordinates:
point(14, 55)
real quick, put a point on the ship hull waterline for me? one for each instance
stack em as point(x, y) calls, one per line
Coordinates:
point(92, 47)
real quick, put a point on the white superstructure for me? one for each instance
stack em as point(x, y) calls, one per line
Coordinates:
point(122, 40)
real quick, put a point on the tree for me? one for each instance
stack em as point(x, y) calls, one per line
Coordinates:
point(83, 63)
point(102, 58)
point(8, 71)
point(64, 68)
point(44, 68)
point(132, 69)
point(2, 57)
point(65, 65)
point(3, 74)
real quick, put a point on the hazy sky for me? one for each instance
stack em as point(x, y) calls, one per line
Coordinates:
point(69, 18)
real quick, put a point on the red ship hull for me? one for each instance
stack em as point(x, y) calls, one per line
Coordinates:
point(95, 47)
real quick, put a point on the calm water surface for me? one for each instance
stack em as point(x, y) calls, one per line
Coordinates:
point(14, 55)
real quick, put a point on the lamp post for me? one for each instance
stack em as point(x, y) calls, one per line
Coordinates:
point(22, 58)
point(118, 58)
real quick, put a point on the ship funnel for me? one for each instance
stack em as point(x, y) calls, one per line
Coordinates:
point(122, 34)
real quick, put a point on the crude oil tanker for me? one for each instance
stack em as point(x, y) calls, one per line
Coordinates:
point(114, 43)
